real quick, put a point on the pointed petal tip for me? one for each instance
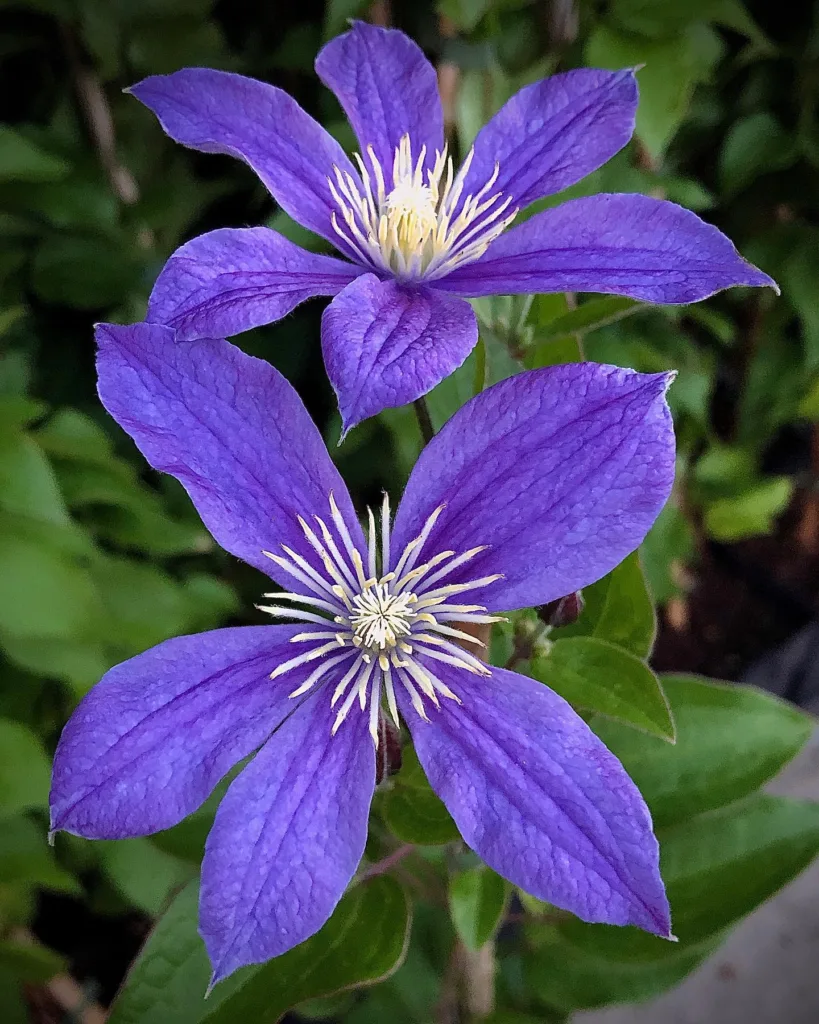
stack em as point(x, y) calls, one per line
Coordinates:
point(655, 917)
point(668, 379)
point(766, 281)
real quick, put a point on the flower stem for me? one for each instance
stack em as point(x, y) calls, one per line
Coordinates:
point(571, 302)
point(481, 374)
point(381, 867)
point(424, 419)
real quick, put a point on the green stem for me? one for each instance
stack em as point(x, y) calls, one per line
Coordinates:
point(424, 419)
point(480, 367)
point(571, 302)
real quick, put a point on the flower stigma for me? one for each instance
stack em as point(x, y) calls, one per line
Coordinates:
point(415, 228)
point(377, 631)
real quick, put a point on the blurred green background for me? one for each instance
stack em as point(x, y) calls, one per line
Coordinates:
point(101, 558)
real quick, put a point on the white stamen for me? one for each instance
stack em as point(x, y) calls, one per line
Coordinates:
point(414, 228)
point(379, 630)
point(318, 673)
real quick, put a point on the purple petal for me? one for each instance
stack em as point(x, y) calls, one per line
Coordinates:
point(387, 88)
point(538, 797)
point(625, 244)
point(287, 838)
point(219, 112)
point(386, 344)
point(560, 471)
point(231, 280)
point(554, 132)
point(148, 744)
point(230, 428)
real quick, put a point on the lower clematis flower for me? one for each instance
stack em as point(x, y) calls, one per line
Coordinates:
point(534, 489)
point(417, 236)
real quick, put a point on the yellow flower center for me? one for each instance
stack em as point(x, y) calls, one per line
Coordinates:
point(414, 227)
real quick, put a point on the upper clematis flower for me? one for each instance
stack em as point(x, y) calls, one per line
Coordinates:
point(533, 791)
point(418, 236)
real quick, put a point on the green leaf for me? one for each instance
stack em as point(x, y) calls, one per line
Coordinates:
point(144, 604)
point(30, 961)
point(23, 160)
point(28, 485)
point(809, 405)
point(464, 13)
point(650, 18)
point(589, 316)
point(337, 14)
point(570, 979)
point(456, 389)
point(133, 515)
point(751, 513)
point(513, 1017)
point(43, 590)
point(69, 434)
point(725, 469)
point(734, 15)
point(564, 349)
point(187, 839)
point(86, 204)
point(668, 547)
point(618, 608)
point(26, 857)
point(718, 867)
point(477, 900)
point(730, 740)
point(25, 770)
point(168, 980)
point(284, 224)
point(15, 1007)
point(595, 675)
point(84, 273)
point(16, 411)
point(81, 663)
point(800, 281)
point(672, 68)
point(755, 145)
point(143, 873)
point(363, 942)
point(412, 811)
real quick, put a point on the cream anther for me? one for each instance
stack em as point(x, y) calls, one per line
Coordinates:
point(414, 226)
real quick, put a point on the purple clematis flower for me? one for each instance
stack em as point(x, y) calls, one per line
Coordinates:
point(378, 619)
point(418, 237)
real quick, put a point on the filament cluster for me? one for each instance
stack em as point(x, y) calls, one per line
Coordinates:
point(378, 620)
point(416, 227)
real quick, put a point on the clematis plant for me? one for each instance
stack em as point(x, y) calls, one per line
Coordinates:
point(374, 629)
point(417, 236)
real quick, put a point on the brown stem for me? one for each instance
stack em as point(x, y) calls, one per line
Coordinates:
point(381, 13)
point(449, 78)
point(381, 867)
point(95, 107)
point(479, 981)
